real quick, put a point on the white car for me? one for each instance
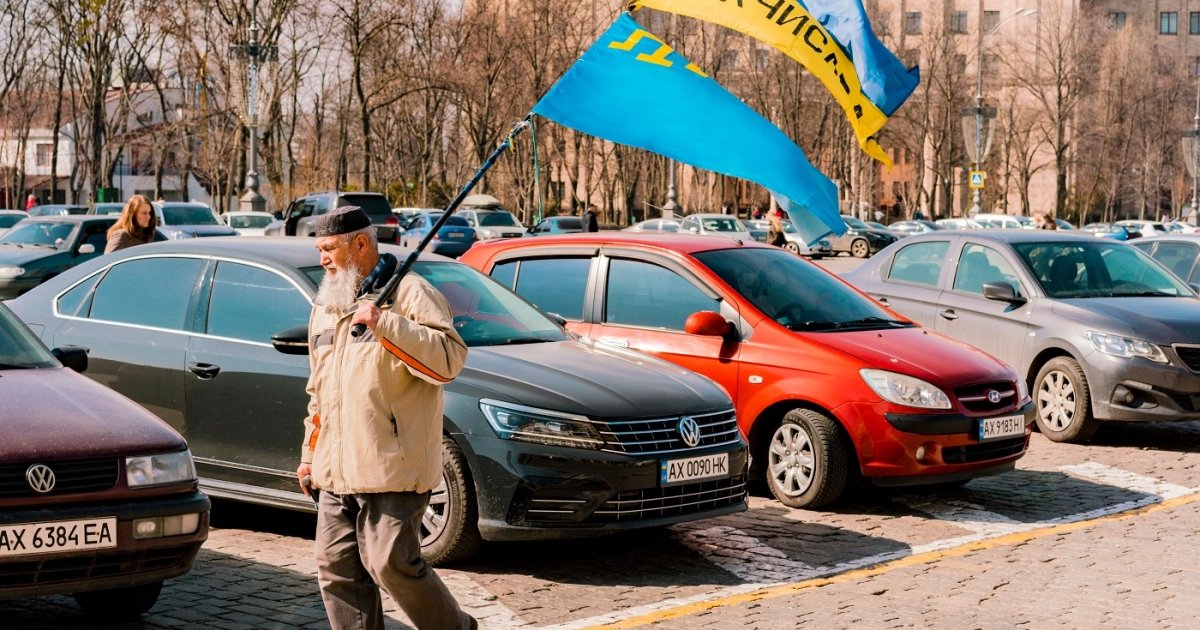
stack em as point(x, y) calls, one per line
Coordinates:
point(959, 224)
point(654, 225)
point(248, 223)
point(8, 218)
point(1004, 221)
point(715, 224)
point(1145, 228)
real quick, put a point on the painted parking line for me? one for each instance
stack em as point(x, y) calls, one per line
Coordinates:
point(988, 530)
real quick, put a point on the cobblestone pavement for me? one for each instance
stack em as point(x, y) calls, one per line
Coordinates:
point(1076, 537)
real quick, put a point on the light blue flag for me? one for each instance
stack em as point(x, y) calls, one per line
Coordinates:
point(884, 79)
point(633, 89)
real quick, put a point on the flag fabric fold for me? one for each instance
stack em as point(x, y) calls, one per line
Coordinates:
point(633, 89)
point(830, 38)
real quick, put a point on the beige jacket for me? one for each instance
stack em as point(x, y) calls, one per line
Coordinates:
point(375, 403)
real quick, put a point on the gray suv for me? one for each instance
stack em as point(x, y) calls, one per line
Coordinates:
point(299, 217)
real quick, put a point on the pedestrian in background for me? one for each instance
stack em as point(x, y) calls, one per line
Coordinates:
point(1048, 222)
point(30, 202)
point(591, 220)
point(135, 226)
point(373, 435)
point(775, 232)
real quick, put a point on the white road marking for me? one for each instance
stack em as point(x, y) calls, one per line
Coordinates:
point(969, 516)
point(1124, 479)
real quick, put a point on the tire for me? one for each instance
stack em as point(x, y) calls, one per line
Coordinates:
point(450, 526)
point(792, 247)
point(807, 460)
point(120, 603)
point(1063, 402)
point(859, 248)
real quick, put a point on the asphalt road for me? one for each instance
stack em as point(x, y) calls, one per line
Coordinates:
point(1079, 536)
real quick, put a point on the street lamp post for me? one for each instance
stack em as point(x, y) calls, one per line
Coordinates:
point(668, 209)
point(979, 121)
point(256, 58)
point(1191, 156)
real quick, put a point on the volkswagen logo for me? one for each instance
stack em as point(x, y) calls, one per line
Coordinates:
point(993, 396)
point(689, 431)
point(40, 478)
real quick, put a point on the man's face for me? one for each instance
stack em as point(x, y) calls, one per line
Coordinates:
point(336, 253)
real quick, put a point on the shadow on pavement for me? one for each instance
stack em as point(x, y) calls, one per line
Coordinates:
point(1178, 437)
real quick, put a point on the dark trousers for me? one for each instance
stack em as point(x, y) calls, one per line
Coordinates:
point(366, 540)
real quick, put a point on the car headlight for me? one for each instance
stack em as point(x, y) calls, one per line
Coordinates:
point(488, 233)
point(179, 234)
point(11, 272)
point(540, 426)
point(905, 390)
point(1022, 390)
point(1118, 346)
point(157, 470)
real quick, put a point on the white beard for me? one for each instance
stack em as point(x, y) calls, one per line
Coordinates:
point(339, 290)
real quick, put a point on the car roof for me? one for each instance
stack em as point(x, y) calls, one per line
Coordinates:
point(195, 204)
point(15, 212)
point(243, 213)
point(683, 243)
point(1191, 236)
point(294, 252)
point(1009, 236)
point(72, 218)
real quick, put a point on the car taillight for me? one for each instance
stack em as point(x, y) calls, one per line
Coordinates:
point(392, 220)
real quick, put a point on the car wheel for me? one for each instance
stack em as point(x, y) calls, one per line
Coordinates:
point(450, 527)
point(1064, 405)
point(807, 461)
point(120, 603)
point(860, 249)
point(792, 247)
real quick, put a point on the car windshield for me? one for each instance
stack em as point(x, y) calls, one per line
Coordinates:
point(109, 208)
point(723, 225)
point(249, 221)
point(498, 219)
point(38, 233)
point(18, 347)
point(485, 313)
point(570, 223)
point(1103, 268)
point(8, 220)
point(189, 215)
point(795, 293)
point(855, 223)
point(453, 220)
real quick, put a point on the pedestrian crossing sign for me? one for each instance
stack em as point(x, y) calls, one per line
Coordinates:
point(977, 178)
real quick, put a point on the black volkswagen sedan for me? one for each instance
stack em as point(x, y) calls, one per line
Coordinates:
point(545, 435)
point(39, 248)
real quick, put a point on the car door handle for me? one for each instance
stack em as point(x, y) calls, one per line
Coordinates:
point(949, 314)
point(204, 370)
point(619, 343)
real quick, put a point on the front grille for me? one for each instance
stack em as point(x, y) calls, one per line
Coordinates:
point(71, 477)
point(975, 397)
point(1190, 355)
point(638, 505)
point(661, 435)
point(83, 565)
point(983, 451)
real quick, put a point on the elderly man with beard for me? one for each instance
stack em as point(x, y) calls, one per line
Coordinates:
point(373, 435)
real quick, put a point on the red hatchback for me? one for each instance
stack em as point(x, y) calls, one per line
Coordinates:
point(829, 386)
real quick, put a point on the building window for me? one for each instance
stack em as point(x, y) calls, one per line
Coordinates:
point(1168, 22)
point(958, 22)
point(1117, 19)
point(991, 20)
point(1194, 23)
point(1194, 67)
point(729, 59)
point(43, 153)
point(912, 23)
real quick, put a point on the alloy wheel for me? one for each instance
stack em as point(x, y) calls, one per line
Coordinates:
point(437, 513)
point(1056, 401)
point(791, 461)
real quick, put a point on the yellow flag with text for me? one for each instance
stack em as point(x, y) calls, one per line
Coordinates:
point(791, 28)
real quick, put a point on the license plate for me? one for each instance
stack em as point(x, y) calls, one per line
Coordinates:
point(34, 538)
point(455, 235)
point(1002, 427)
point(672, 471)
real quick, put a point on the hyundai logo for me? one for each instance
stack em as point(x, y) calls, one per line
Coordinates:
point(993, 396)
point(689, 431)
point(40, 478)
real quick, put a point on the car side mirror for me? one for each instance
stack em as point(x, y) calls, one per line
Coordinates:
point(294, 340)
point(86, 248)
point(558, 319)
point(74, 357)
point(707, 324)
point(1002, 292)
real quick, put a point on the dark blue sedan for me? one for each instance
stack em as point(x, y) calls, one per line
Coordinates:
point(454, 238)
